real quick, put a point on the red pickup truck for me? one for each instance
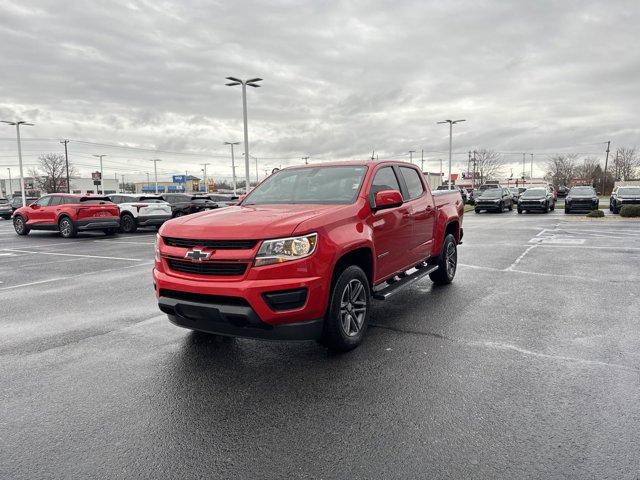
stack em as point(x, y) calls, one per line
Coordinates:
point(303, 255)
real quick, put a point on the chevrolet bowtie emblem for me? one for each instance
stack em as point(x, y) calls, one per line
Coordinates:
point(197, 255)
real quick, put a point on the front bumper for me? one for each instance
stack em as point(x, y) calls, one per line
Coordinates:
point(532, 206)
point(237, 320)
point(582, 206)
point(98, 223)
point(152, 220)
point(487, 206)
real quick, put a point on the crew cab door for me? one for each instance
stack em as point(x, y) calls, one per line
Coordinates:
point(423, 213)
point(392, 227)
point(37, 212)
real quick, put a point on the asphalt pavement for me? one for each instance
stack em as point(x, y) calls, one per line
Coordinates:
point(527, 366)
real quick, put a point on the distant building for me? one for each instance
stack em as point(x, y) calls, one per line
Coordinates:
point(78, 185)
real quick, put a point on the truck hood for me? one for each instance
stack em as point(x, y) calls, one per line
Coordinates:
point(253, 222)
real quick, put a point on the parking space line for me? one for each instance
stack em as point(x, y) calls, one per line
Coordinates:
point(73, 255)
point(125, 241)
point(519, 259)
point(119, 269)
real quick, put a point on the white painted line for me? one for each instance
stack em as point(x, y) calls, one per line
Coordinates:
point(7, 254)
point(519, 259)
point(119, 269)
point(73, 255)
point(537, 274)
point(124, 241)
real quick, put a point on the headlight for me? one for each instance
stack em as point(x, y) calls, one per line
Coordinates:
point(568, 199)
point(542, 200)
point(286, 249)
point(496, 201)
point(595, 199)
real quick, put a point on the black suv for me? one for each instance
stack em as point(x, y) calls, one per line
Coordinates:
point(184, 204)
point(16, 202)
point(5, 209)
point(581, 198)
point(624, 196)
point(536, 199)
point(494, 199)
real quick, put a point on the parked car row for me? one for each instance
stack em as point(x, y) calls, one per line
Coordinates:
point(72, 213)
point(622, 196)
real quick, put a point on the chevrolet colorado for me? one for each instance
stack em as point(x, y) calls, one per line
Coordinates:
point(303, 255)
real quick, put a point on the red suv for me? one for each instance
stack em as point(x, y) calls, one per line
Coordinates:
point(68, 214)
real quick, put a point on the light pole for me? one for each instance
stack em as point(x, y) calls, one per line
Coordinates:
point(155, 171)
point(306, 160)
point(148, 183)
point(252, 83)
point(411, 152)
point(66, 162)
point(451, 124)
point(9, 190)
point(233, 165)
point(204, 176)
point(17, 124)
point(101, 175)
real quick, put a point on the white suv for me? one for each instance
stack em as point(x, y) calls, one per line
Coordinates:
point(141, 211)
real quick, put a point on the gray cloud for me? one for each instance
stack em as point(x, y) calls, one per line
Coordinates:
point(340, 78)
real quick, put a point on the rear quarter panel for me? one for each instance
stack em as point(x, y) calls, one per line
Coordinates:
point(450, 210)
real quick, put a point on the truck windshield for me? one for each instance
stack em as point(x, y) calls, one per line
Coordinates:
point(621, 191)
point(491, 193)
point(323, 185)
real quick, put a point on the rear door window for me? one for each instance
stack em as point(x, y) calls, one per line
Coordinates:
point(414, 184)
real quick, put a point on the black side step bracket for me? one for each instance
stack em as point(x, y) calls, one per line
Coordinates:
point(395, 286)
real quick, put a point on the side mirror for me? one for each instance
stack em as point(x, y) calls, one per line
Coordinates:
point(387, 199)
point(34, 205)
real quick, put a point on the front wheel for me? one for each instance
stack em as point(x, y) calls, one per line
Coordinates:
point(567, 210)
point(519, 210)
point(447, 262)
point(128, 223)
point(20, 226)
point(477, 210)
point(178, 214)
point(110, 231)
point(547, 208)
point(348, 313)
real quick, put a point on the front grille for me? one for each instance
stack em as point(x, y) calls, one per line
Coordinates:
point(202, 298)
point(217, 244)
point(223, 269)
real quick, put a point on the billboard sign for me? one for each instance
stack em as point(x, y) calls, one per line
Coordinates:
point(179, 179)
point(96, 176)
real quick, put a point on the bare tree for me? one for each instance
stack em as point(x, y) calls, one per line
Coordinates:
point(626, 163)
point(561, 169)
point(488, 164)
point(589, 169)
point(51, 175)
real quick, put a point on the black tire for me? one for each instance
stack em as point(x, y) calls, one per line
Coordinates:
point(6, 217)
point(110, 231)
point(519, 210)
point(547, 208)
point(128, 223)
point(178, 214)
point(553, 206)
point(477, 210)
point(616, 210)
point(20, 226)
point(67, 228)
point(343, 331)
point(447, 262)
point(511, 207)
point(567, 210)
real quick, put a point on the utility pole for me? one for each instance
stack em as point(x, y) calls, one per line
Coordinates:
point(124, 185)
point(155, 171)
point(422, 161)
point(101, 175)
point(411, 152)
point(148, 183)
point(473, 181)
point(441, 172)
point(451, 124)
point(233, 165)
point(66, 161)
point(17, 124)
point(257, 174)
point(373, 152)
point(10, 189)
point(469, 162)
point(523, 167)
point(204, 175)
point(252, 83)
point(606, 164)
point(306, 160)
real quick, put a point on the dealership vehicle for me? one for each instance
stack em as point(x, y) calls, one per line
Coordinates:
point(141, 211)
point(16, 202)
point(536, 199)
point(5, 209)
point(68, 214)
point(220, 199)
point(183, 204)
point(563, 191)
point(581, 198)
point(494, 199)
point(463, 192)
point(303, 255)
point(624, 196)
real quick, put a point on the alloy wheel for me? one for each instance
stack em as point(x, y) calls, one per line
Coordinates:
point(451, 260)
point(353, 307)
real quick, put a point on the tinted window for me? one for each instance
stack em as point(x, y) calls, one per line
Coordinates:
point(116, 198)
point(385, 179)
point(56, 200)
point(414, 184)
point(43, 202)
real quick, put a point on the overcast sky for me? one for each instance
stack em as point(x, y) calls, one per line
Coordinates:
point(340, 79)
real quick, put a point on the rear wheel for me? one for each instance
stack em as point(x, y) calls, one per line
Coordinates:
point(547, 208)
point(519, 210)
point(348, 312)
point(128, 223)
point(178, 214)
point(447, 262)
point(20, 225)
point(67, 228)
point(110, 231)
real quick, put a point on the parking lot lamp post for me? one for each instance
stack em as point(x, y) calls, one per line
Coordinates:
point(17, 124)
point(233, 165)
point(451, 124)
point(252, 83)
point(9, 192)
point(148, 182)
point(204, 176)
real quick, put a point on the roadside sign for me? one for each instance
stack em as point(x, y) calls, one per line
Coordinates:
point(96, 176)
point(179, 179)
